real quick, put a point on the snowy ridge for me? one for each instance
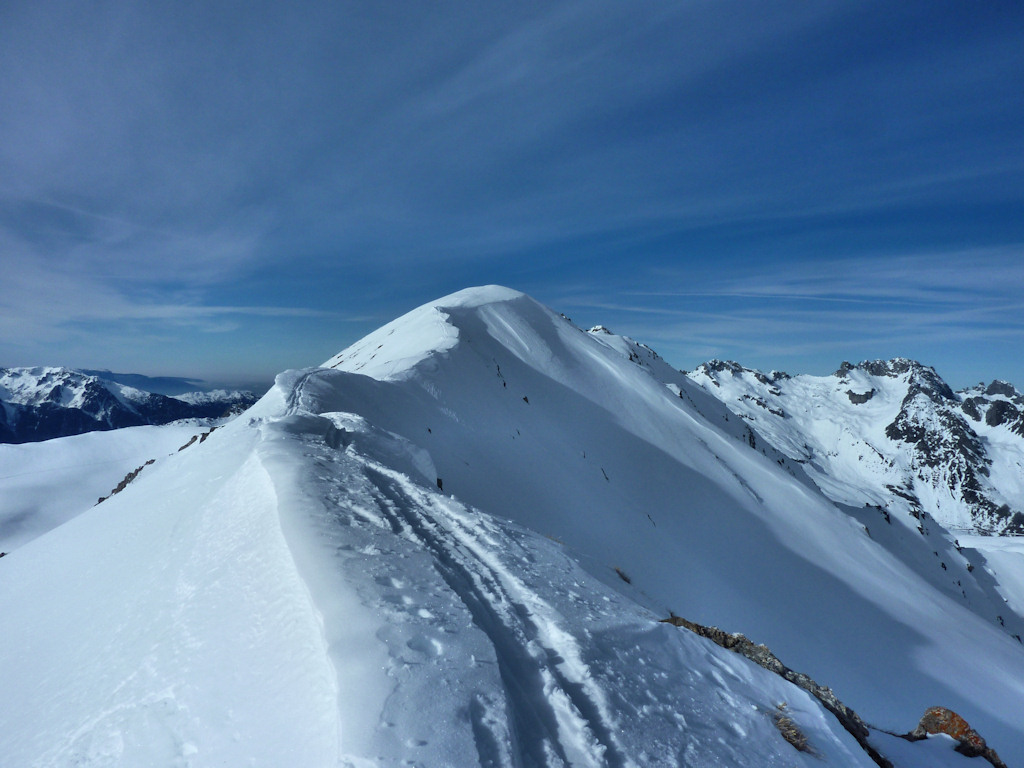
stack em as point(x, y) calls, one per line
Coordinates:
point(451, 546)
point(473, 587)
point(220, 397)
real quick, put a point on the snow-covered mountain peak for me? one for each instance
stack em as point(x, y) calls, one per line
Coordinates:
point(453, 544)
point(394, 351)
point(67, 388)
point(920, 378)
point(896, 366)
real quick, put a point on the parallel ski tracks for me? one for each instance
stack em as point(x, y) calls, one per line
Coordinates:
point(559, 713)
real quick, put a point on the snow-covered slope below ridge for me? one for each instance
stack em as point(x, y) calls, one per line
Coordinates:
point(45, 484)
point(298, 590)
point(891, 434)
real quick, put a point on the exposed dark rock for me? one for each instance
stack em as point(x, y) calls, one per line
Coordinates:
point(762, 404)
point(936, 439)
point(860, 399)
point(1001, 412)
point(190, 441)
point(720, 366)
point(712, 367)
point(124, 482)
point(999, 387)
point(970, 407)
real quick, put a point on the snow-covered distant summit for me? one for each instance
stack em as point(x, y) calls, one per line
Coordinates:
point(46, 402)
point(224, 400)
point(891, 433)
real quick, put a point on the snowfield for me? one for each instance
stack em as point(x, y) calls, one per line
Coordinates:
point(451, 544)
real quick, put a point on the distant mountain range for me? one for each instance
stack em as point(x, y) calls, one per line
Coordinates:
point(47, 402)
point(891, 434)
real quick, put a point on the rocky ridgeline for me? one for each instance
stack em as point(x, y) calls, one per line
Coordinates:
point(936, 443)
point(763, 657)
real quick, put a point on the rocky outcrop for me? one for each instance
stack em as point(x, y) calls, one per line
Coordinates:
point(763, 657)
point(125, 481)
point(970, 743)
point(861, 398)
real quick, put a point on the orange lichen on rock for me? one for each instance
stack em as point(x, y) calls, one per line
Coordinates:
point(942, 720)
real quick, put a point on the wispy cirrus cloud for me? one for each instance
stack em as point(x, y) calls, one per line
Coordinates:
point(167, 168)
point(943, 308)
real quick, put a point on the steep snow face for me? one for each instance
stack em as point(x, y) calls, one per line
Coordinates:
point(451, 546)
point(891, 434)
point(45, 403)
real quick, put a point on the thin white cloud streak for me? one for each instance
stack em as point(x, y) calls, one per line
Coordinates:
point(936, 278)
point(39, 304)
point(939, 307)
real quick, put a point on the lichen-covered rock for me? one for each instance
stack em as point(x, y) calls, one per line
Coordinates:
point(941, 720)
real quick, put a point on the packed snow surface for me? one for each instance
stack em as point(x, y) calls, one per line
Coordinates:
point(450, 545)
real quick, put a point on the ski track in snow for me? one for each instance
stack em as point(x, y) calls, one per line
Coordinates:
point(555, 706)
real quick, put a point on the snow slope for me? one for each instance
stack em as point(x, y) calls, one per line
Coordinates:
point(269, 598)
point(410, 553)
point(42, 485)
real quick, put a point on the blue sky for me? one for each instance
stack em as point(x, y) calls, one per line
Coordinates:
point(226, 190)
